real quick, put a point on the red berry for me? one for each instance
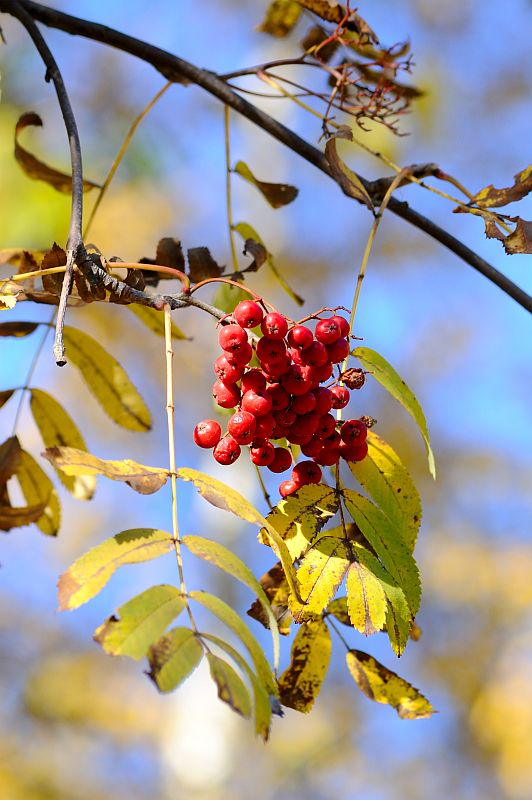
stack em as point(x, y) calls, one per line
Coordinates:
point(287, 487)
point(226, 372)
point(328, 456)
point(342, 323)
point(265, 426)
point(295, 355)
point(282, 459)
point(304, 403)
point(270, 350)
point(295, 380)
point(323, 400)
point(262, 453)
point(319, 375)
point(253, 379)
point(240, 357)
point(227, 395)
point(280, 431)
point(337, 351)
point(327, 331)
point(306, 425)
point(297, 438)
point(326, 426)
point(306, 472)
point(274, 369)
point(340, 396)
point(333, 440)
point(274, 326)
point(285, 417)
point(300, 336)
point(280, 397)
point(248, 314)
point(353, 453)
point(312, 448)
point(242, 426)
point(257, 403)
point(353, 432)
point(226, 451)
point(315, 355)
point(232, 337)
point(207, 433)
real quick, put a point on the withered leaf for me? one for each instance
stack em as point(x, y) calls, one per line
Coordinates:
point(17, 329)
point(334, 12)
point(519, 241)
point(55, 257)
point(10, 453)
point(38, 170)
point(490, 197)
point(277, 194)
point(299, 685)
point(281, 16)
point(11, 517)
point(348, 180)
point(259, 253)
point(170, 253)
point(5, 396)
point(276, 589)
point(201, 264)
point(313, 38)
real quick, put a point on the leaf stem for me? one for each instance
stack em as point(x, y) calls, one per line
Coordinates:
point(31, 370)
point(337, 631)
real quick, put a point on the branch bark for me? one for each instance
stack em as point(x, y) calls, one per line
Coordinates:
point(178, 70)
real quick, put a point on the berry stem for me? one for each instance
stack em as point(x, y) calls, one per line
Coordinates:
point(264, 489)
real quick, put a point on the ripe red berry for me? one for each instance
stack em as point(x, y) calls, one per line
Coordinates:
point(353, 453)
point(248, 314)
point(328, 456)
point(353, 432)
point(327, 331)
point(265, 426)
point(304, 403)
point(306, 472)
point(340, 396)
point(257, 403)
point(319, 375)
point(271, 350)
point(240, 357)
point(262, 453)
point(242, 426)
point(279, 431)
point(300, 337)
point(253, 379)
point(312, 448)
point(207, 433)
point(287, 487)
point(226, 372)
point(337, 351)
point(274, 325)
point(285, 417)
point(226, 451)
point(280, 397)
point(315, 355)
point(326, 426)
point(274, 369)
point(295, 380)
point(306, 425)
point(232, 337)
point(323, 400)
point(295, 356)
point(342, 323)
point(282, 459)
point(227, 395)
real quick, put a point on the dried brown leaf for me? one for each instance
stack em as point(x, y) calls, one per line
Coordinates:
point(276, 589)
point(201, 264)
point(17, 329)
point(490, 197)
point(18, 517)
point(348, 180)
point(276, 194)
point(10, 452)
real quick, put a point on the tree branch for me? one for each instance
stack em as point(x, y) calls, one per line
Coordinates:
point(181, 71)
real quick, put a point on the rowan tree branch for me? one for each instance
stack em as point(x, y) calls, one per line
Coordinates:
point(180, 71)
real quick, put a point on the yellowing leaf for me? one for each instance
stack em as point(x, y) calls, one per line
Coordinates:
point(277, 591)
point(233, 621)
point(144, 480)
point(140, 622)
point(300, 684)
point(226, 498)
point(384, 686)
point(338, 609)
point(247, 232)
point(300, 517)
point(173, 657)
point(388, 483)
point(320, 573)
point(17, 329)
point(5, 396)
point(327, 10)
point(107, 380)
point(88, 575)
point(276, 194)
point(490, 197)
point(37, 169)
point(281, 16)
point(58, 428)
point(231, 688)
point(17, 517)
point(37, 488)
point(348, 180)
point(366, 600)
point(395, 385)
point(388, 543)
point(10, 457)
point(154, 320)
point(224, 559)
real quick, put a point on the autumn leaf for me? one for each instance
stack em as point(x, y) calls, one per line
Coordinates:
point(154, 320)
point(10, 456)
point(276, 194)
point(366, 600)
point(348, 180)
point(173, 657)
point(246, 231)
point(231, 689)
point(201, 265)
point(490, 197)
point(16, 517)
point(37, 489)
point(300, 684)
point(5, 396)
point(277, 591)
point(320, 573)
point(17, 329)
point(281, 16)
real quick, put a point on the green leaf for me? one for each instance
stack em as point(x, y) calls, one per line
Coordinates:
point(366, 600)
point(262, 701)
point(226, 498)
point(388, 543)
point(88, 575)
point(276, 194)
point(247, 232)
point(300, 684)
point(142, 479)
point(300, 517)
point(107, 381)
point(384, 686)
point(173, 657)
point(37, 488)
point(58, 428)
point(388, 483)
point(140, 622)
point(154, 320)
point(348, 180)
point(227, 561)
point(231, 688)
point(395, 385)
point(320, 573)
point(5, 396)
point(17, 329)
point(281, 16)
point(233, 621)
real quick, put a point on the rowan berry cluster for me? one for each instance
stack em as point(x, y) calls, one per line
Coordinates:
point(283, 397)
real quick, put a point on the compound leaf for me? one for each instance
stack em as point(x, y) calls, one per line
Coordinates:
point(320, 573)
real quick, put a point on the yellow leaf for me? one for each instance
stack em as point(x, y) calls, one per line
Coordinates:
point(57, 427)
point(173, 657)
point(366, 600)
point(281, 16)
point(107, 380)
point(144, 480)
point(154, 320)
point(300, 684)
point(320, 573)
point(231, 688)
point(10, 457)
point(384, 686)
point(88, 575)
point(37, 488)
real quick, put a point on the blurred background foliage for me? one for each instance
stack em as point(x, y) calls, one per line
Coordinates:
point(76, 724)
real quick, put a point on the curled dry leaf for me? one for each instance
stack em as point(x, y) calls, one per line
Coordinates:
point(490, 197)
point(201, 265)
point(348, 180)
point(276, 194)
point(519, 241)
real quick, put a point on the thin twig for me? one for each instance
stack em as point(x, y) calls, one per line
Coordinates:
point(31, 370)
point(228, 199)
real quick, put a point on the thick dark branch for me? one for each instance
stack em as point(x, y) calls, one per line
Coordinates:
point(179, 70)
